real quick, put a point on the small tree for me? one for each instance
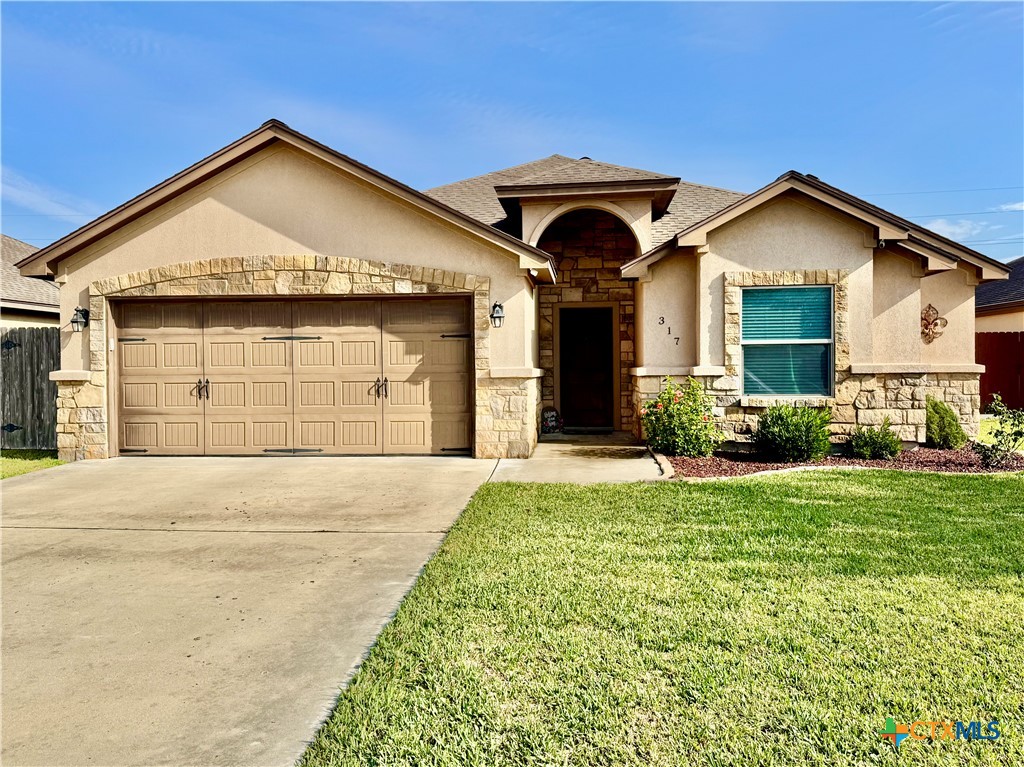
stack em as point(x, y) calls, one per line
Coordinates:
point(1007, 437)
point(680, 421)
point(942, 427)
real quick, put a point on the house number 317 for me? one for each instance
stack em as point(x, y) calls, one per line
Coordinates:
point(661, 321)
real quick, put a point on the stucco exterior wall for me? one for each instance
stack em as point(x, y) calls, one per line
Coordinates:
point(1010, 322)
point(952, 294)
point(897, 305)
point(283, 202)
point(670, 292)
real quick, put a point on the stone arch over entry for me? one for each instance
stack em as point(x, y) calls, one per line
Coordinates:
point(642, 236)
point(589, 246)
point(85, 401)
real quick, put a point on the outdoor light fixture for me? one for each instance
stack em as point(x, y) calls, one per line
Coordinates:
point(497, 315)
point(79, 319)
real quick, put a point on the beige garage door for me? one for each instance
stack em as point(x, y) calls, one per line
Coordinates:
point(295, 376)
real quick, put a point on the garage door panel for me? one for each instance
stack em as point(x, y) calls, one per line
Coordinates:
point(248, 434)
point(337, 365)
point(161, 434)
point(427, 364)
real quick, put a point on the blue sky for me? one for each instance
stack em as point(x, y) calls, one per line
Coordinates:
point(102, 100)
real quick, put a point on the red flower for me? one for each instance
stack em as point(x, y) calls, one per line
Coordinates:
point(660, 406)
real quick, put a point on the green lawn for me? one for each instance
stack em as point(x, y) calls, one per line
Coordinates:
point(15, 462)
point(772, 621)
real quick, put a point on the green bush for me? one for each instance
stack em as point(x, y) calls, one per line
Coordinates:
point(1007, 437)
point(793, 434)
point(680, 421)
point(875, 442)
point(942, 427)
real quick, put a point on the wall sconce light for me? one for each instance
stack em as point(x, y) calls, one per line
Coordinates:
point(80, 319)
point(497, 315)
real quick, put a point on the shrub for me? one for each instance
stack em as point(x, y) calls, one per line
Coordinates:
point(680, 421)
point(875, 442)
point(942, 427)
point(1007, 437)
point(792, 434)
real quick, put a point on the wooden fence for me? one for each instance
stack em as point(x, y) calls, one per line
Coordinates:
point(1002, 354)
point(27, 355)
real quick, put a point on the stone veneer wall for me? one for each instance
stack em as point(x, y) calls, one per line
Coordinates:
point(505, 412)
point(858, 399)
point(590, 247)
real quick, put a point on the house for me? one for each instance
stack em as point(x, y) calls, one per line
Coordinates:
point(25, 302)
point(999, 322)
point(279, 297)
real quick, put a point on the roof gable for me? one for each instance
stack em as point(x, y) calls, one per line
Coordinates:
point(940, 252)
point(273, 131)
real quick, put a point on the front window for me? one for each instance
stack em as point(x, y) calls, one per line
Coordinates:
point(787, 341)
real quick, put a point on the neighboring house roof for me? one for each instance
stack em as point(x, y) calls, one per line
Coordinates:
point(24, 292)
point(270, 132)
point(477, 197)
point(1004, 292)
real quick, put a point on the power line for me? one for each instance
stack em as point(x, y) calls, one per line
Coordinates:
point(969, 213)
point(947, 191)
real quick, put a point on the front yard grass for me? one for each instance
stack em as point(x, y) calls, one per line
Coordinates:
point(767, 621)
point(15, 462)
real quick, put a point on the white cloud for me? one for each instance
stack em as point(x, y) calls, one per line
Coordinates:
point(38, 198)
point(956, 230)
point(1012, 206)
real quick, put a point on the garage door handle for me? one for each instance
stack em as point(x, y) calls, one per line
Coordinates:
point(206, 387)
point(376, 388)
point(385, 388)
point(199, 389)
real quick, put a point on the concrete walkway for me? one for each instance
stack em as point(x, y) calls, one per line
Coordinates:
point(204, 611)
point(582, 460)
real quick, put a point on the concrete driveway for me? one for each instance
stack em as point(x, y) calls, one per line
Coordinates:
point(204, 611)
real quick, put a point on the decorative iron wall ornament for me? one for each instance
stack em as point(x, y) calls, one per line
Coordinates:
point(931, 324)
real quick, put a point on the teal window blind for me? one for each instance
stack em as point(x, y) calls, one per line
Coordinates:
point(774, 314)
point(787, 341)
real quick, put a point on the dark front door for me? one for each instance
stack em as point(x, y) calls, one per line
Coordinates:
point(587, 368)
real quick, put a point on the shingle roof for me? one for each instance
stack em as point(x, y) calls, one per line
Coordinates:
point(24, 289)
point(476, 196)
point(587, 171)
point(1008, 291)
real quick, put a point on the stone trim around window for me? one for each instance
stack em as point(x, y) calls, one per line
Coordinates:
point(83, 418)
point(734, 284)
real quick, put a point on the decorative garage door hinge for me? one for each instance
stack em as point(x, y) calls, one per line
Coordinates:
point(455, 335)
point(292, 338)
point(130, 340)
point(292, 450)
point(133, 450)
point(455, 449)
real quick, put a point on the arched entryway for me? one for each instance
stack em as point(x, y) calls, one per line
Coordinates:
point(586, 323)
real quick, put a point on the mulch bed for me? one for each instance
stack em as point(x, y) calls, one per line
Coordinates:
point(964, 460)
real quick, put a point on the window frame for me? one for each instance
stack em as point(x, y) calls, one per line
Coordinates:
point(830, 342)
